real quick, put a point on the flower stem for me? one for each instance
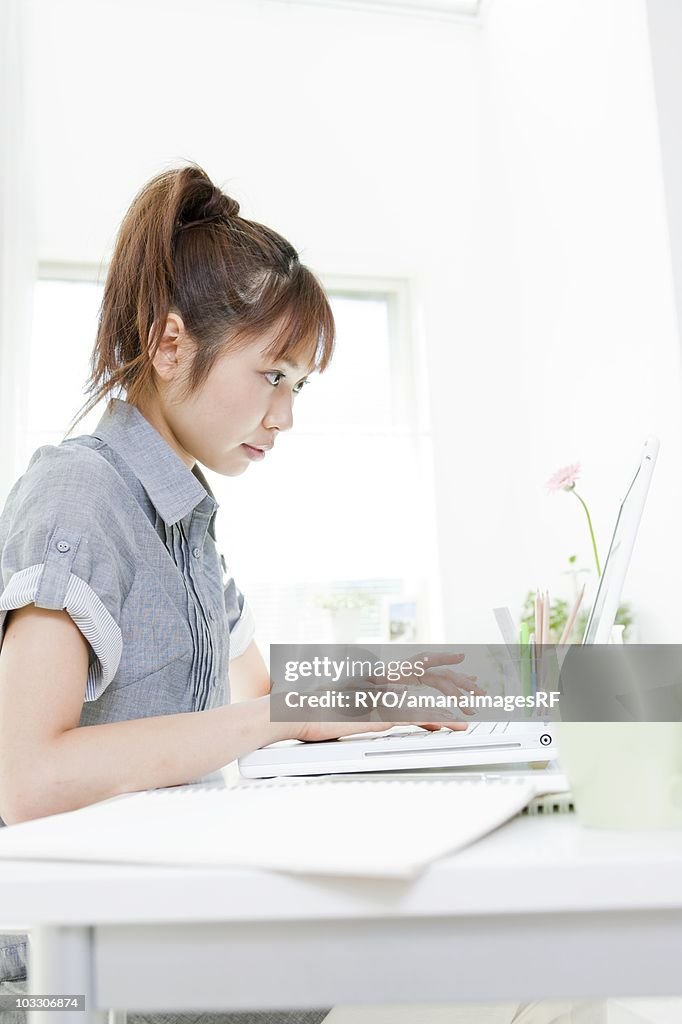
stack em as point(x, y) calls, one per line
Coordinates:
point(589, 523)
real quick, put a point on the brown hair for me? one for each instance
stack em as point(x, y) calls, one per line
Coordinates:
point(183, 247)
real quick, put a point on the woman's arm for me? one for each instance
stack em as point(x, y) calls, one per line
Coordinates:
point(49, 764)
point(249, 676)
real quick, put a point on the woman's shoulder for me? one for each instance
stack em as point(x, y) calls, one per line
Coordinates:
point(71, 495)
point(73, 476)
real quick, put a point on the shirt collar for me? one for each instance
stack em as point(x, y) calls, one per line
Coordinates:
point(173, 489)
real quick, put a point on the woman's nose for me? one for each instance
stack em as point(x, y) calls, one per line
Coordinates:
point(280, 415)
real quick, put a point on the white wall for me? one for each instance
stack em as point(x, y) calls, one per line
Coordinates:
point(511, 171)
point(665, 36)
point(565, 328)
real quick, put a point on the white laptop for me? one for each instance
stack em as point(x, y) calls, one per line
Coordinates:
point(483, 743)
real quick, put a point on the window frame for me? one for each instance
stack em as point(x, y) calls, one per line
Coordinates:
point(396, 291)
point(407, 386)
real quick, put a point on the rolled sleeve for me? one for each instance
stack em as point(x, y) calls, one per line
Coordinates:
point(65, 547)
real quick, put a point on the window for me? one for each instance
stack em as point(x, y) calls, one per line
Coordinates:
point(64, 325)
point(329, 536)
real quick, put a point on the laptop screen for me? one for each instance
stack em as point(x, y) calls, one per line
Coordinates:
point(605, 607)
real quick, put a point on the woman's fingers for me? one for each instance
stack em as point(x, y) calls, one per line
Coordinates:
point(449, 682)
point(446, 680)
point(429, 660)
point(437, 726)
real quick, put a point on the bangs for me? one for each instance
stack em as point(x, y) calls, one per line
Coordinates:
point(299, 312)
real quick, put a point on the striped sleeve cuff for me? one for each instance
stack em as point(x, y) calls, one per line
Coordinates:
point(87, 611)
point(242, 632)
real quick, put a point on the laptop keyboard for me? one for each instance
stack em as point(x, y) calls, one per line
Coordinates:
point(486, 728)
point(480, 728)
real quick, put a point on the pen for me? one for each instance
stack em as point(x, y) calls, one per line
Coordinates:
point(544, 641)
point(533, 665)
point(538, 616)
point(545, 619)
point(568, 628)
point(524, 658)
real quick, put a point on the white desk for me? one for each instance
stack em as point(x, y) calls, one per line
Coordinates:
point(539, 909)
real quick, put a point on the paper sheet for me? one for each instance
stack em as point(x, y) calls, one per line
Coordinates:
point(387, 828)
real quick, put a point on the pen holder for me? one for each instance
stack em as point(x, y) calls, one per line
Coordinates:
point(624, 775)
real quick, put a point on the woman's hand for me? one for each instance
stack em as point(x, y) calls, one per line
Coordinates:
point(442, 676)
point(438, 672)
point(316, 732)
point(425, 670)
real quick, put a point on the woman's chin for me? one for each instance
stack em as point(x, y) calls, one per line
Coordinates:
point(230, 466)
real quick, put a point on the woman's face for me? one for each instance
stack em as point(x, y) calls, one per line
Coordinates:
point(236, 416)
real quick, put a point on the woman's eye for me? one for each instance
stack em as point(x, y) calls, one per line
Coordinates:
point(275, 376)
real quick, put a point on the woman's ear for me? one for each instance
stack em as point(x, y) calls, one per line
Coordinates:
point(170, 355)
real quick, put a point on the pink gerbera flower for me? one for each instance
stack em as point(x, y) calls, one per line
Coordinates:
point(564, 479)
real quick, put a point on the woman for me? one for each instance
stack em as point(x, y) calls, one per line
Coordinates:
point(119, 614)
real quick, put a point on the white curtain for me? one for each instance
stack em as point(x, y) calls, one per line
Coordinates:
point(17, 235)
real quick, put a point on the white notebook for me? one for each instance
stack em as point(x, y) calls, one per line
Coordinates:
point(389, 828)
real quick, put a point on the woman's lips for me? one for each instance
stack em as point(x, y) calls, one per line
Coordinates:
point(255, 454)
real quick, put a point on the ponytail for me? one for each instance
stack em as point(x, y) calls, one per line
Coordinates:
point(183, 247)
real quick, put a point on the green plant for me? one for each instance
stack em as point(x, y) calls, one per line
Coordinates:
point(346, 601)
point(558, 616)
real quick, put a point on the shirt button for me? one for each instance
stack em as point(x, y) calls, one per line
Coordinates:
point(196, 552)
point(63, 546)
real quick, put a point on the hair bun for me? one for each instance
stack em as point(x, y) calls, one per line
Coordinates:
point(206, 203)
point(231, 205)
point(219, 205)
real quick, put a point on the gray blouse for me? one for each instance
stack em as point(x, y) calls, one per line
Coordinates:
point(113, 527)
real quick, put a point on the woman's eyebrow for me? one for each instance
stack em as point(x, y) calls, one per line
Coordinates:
point(295, 368)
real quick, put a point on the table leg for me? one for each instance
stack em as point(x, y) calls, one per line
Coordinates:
point(62, 964)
